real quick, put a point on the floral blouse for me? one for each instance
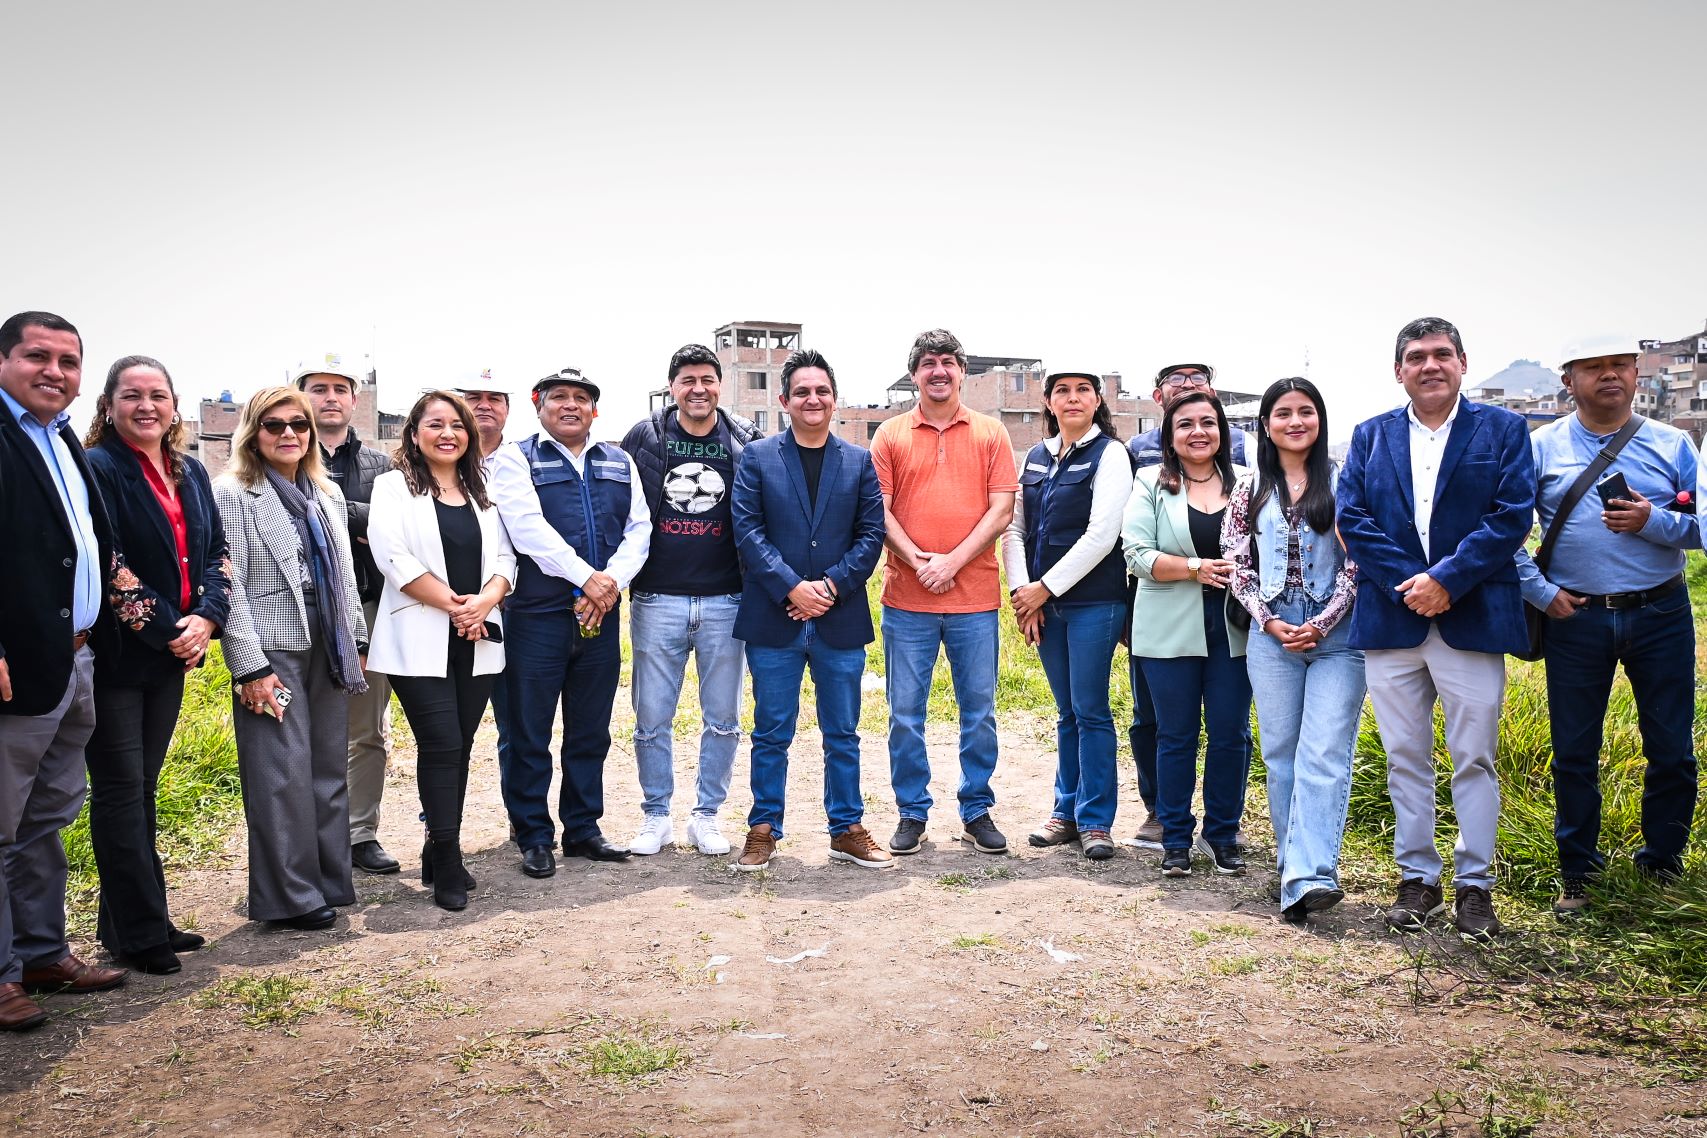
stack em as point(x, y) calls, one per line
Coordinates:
point(1237, 538)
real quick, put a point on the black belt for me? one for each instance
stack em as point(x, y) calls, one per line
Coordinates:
point(1632, 600)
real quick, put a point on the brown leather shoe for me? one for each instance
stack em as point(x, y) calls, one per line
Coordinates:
point(17, 1011)
point(756, 854)
point(73, 975)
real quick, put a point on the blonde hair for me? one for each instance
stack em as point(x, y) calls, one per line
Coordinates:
point(247, 465)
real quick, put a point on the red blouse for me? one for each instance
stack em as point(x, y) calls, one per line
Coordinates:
point(173, 508)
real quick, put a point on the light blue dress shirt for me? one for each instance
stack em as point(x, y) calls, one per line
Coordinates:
point(1659, 462)
point(74, 499)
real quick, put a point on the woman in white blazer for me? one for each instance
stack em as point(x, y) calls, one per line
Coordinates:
point(447, 564)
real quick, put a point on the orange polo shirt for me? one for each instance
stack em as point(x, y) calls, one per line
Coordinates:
point(939, 482)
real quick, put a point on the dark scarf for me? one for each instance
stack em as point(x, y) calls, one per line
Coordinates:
point(312, 529)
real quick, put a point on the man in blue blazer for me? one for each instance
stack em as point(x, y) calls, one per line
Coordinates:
point(808, 520)
point(1434, 501)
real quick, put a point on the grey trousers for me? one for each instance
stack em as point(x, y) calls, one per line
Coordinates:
point(293, 791)
point(1403, 686)
point(41, 790)
point(370, 742)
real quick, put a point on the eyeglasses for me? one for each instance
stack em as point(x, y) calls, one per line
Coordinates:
point(1181, 378)
point(277, 427)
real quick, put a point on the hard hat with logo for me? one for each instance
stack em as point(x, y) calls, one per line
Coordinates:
point(332, 363)
point(470, 383)
point(1593, 347)
point(569, 375)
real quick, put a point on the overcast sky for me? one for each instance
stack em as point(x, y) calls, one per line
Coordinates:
point(232, 188)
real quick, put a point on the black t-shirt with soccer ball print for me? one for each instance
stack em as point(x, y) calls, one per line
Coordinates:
point(693, 541)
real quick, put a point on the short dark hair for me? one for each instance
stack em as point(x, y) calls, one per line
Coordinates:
point(1420, 329)
point(12, 332)
point(805, 357)
point(935, 342)
point(689, 354)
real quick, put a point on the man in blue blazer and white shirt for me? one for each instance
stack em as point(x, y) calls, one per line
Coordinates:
point(1434, 501)
point(808, 520)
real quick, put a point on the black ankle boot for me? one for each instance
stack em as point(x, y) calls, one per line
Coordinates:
point(427, 868)
point(445, 859)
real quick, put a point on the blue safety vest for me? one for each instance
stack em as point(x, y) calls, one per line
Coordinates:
point(589, 513)
point(1057, 510)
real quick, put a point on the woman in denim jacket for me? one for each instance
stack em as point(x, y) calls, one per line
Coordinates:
point(1291, 574)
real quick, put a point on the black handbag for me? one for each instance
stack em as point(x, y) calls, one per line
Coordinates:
point(1535, 618)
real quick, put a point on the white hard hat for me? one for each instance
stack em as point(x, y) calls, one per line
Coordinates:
point(1595, 346)
point(481, 379)
point(331, 363)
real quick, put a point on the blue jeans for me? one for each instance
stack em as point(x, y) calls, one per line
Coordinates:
point(547, 664)
point(1656, 645)
point(664, 629)
point(836, 674)
point(1076, 650)
point(1212, 693)
point(1142, 733)
point(1308, 706)
point(911, 641)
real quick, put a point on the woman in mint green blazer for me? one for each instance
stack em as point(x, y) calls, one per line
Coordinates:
point(1188, 635)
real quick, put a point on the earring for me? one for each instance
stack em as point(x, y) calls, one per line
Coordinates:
point(109, 420)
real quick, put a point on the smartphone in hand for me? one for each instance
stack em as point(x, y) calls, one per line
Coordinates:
point(1613, 486)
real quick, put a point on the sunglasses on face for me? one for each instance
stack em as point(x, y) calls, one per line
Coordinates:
point(277, 427)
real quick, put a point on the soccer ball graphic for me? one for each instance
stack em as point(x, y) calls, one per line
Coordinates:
point(693, 488)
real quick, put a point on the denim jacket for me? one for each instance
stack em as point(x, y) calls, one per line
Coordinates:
point(1329, 579)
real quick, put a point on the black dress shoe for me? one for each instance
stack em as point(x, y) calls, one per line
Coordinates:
point(595, 849)
point(370, 857)
point(181, 941)
point(156, 960)
point(538, 861)
point(320, 918)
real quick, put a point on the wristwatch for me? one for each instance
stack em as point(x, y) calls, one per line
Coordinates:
point(1192, 565)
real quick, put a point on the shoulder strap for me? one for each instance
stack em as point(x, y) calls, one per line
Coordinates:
point(1581, 485)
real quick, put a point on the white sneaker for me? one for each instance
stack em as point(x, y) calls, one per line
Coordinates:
point(706, 833)
point(656, 832)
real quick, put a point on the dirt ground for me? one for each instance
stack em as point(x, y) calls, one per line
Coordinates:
point(655, 998)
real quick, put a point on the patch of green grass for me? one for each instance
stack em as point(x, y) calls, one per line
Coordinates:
point(264, 1001)
point(1631, 973)
point(1234, 965)
point(630, 1058)
point(982, 940)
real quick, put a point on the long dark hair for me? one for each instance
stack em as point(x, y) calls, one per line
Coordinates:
point(172, 447)
point(1317, 504)
point(413, 463)
point(1170, 477)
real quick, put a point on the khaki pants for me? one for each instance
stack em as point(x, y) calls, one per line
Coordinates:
point(370, 741)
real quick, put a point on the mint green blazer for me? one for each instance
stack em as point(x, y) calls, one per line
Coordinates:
point(1167, 616)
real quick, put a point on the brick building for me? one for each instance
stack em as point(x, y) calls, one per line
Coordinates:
point(1673, 373)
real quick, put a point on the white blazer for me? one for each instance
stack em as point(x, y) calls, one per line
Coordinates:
point(410, 638)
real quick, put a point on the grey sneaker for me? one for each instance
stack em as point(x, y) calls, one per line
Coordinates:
point(1149, 836)
point(1473, 914)
point(984, 836)
point(1225, 859)
point(1054, 832)
point(1097, 845)
point(909, 836)
point(1416, 903)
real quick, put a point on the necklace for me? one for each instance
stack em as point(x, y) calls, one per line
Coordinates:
point(1199, 481)
point(1298, 485)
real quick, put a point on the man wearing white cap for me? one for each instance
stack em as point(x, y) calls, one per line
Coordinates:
point(1611, 582)
point(331, 386)
point(490, 402)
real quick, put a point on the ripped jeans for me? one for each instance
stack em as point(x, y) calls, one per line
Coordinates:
point(664, 630)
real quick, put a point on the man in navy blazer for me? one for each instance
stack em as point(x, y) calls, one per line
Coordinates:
point(808, 519)
point(1434, 501)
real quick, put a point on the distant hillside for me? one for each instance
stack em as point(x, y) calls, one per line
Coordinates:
point(1522, 375)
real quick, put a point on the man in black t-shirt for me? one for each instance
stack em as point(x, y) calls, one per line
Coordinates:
point(686, 597)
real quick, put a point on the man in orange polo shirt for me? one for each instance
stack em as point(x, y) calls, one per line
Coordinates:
point(948, 481)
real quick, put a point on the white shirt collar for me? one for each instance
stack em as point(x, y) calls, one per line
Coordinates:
point(1411, 414)
point(1052, 444)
